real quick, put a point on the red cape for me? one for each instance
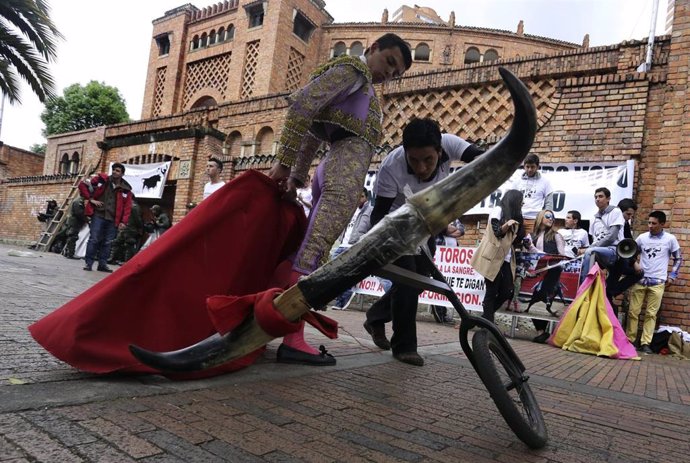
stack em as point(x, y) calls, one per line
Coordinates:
point(231, 243)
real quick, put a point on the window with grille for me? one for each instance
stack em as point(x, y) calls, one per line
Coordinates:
point(250, 64)
point(293, 79)
point(158, 89)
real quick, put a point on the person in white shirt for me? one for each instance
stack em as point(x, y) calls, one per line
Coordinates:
point(423, 160)
point(575, 237)
point(358, 226)
point(214, 167)
point(656, 248)
point(304, 196)
point(536, 189)
point(606, 230)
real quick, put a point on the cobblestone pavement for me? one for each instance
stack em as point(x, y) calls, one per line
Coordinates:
point(367, 408)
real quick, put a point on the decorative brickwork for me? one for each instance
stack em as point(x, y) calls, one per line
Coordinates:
point(472, 112)
point(158, 92)
point(251, 62)
point(211, 73)
point(293, 80)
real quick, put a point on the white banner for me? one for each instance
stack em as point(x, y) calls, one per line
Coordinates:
point(147, 180)
point(454, 263)
point(574, 186)
point(573, 183)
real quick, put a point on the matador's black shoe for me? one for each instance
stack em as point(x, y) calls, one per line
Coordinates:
point(287, 354)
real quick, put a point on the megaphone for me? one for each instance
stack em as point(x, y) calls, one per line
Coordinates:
point(626, 248)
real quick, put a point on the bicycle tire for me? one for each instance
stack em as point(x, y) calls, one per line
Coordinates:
point(513, 396)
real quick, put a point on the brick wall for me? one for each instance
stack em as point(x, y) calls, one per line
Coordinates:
point(669, 151)
point(16, 162)
point(20, 203)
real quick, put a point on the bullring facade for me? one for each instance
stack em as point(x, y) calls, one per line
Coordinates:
point(218, 77)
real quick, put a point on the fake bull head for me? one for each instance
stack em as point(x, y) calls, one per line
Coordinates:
point(399, 233)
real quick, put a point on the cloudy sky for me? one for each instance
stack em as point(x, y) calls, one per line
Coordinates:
point(109, 41)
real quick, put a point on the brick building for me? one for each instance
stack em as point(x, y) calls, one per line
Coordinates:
point(16, 162)
point(218, 76)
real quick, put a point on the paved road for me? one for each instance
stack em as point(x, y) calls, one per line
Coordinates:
point(367, 408)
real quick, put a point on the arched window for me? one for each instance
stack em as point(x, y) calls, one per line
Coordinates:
point(490, 55)
point(64, 164)
point(204, 40)
point(471, 55)
point(212, 37)
point(221, 35)
point(74, 163)
point(339, 49)
point(195, 43)
point(233, 142)
point(230, 33)
point(204, 102)
point(356, 49)
point(264, 141)
point(422, 52)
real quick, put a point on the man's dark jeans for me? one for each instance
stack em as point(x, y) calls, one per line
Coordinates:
point(399, 304)
point(103, 233)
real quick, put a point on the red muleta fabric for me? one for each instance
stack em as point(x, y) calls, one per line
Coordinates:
point(233, 243)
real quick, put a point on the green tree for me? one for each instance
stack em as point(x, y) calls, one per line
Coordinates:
point(81, 108)
point(38, 148)
point(27, 44)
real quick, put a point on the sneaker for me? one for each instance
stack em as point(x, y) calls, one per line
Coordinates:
point(87, 268)
point(378, 335)
point(412, 358)
point(104, 268)
point(645, 349)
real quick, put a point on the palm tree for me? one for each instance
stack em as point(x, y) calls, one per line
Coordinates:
point(27, 44)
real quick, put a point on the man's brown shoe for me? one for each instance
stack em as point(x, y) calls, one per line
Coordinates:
point(413, 358)
point(378, 335)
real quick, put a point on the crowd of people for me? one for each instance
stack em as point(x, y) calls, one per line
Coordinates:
point(109, 221)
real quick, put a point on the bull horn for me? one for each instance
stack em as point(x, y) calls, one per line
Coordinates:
point(398, 234)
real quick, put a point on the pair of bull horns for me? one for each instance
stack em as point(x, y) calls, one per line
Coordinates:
point(399, 233)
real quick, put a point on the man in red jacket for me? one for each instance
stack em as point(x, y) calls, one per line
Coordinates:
point(108, 200)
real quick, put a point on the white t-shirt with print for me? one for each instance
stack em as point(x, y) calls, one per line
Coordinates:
point(574, 238)
point(655, 253)
point(394, 175)
point(534, 192)
point(600, 225)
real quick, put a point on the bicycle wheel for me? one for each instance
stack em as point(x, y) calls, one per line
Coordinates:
point(509, 390)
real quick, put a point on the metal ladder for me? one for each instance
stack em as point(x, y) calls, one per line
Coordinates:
point(48, 235)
